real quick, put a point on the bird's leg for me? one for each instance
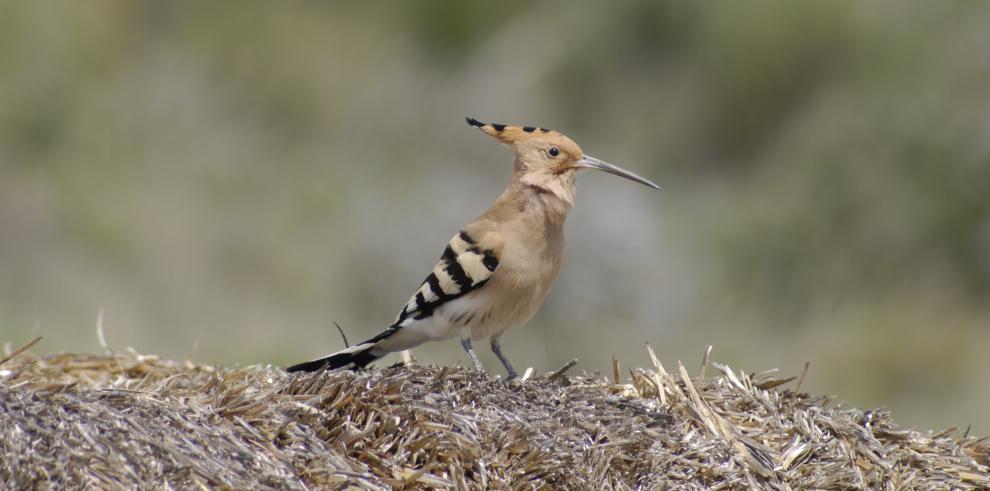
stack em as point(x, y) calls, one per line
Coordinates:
point(466, 343)
point(497, 349)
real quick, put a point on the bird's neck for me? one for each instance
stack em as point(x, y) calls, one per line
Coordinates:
point(540, 200)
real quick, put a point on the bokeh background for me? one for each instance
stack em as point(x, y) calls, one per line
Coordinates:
point(224, 179)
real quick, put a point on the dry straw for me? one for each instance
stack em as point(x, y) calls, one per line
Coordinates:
point(130, 420)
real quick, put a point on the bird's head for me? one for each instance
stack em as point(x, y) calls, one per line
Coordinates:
point(547, 160)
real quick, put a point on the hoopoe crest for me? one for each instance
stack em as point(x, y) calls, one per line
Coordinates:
point(496, 271)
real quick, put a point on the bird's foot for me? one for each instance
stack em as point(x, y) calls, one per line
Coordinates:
point(513, 382)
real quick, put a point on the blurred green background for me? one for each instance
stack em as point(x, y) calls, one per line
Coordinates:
point(224, 179)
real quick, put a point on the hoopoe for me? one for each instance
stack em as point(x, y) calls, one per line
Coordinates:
point(495, 272)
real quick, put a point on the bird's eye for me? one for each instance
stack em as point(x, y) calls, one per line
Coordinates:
point(554, 151)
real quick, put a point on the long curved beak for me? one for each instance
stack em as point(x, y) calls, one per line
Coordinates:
point(588, 162)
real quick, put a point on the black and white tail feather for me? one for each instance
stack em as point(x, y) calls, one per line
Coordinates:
point(357, 356)
point(463, 268)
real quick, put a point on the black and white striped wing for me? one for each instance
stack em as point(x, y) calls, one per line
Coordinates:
point(463, 268)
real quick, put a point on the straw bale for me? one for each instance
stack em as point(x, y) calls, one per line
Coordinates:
point(137, 421)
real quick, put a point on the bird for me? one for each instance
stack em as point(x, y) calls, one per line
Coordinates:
point(496, 271)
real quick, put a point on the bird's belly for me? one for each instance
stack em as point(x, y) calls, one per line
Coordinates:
point(488, 312)
point(449, 319)
point(477, 315)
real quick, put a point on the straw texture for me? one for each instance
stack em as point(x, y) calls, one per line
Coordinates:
point(131, 420)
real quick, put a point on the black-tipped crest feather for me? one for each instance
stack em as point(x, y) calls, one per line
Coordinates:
point(499, 127)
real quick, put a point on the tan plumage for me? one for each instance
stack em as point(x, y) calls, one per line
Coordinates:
point(495, 273)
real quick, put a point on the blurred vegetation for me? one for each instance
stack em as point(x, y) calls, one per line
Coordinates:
point(226, 178)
